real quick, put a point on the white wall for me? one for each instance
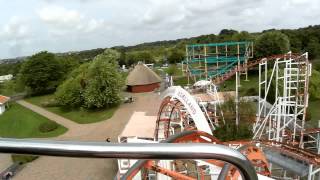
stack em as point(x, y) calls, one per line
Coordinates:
point(2, 108)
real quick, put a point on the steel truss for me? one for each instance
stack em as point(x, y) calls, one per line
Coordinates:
point(284, 120)
point(208, 61)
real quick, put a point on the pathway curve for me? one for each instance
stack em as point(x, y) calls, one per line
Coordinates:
point(84, 168)
point(52, 116)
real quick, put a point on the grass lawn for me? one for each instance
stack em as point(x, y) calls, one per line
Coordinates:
point(76, 115)
point(19, 122)
point(230, 84)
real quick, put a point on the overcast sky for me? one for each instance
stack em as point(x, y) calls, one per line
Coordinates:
point(29, 26)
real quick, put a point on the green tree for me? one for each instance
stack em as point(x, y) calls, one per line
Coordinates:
point(172, 70)
point(314, 87)
point(313, 48)
point(68, 64)
point(131, 58)
point(70, 92)
point(41, 73)
point(104, 81)
point(271, 43)
point(175, 56)
point(145, 57)
point(93, 85)
point(228, 32)
point(242, 36)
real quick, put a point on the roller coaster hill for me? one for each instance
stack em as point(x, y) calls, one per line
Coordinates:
point(282, 147)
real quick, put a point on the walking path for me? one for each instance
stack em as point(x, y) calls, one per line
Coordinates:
point(52, 116)
point(5, 161)
point(83, 168)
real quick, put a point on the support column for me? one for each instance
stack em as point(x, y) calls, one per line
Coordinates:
point(237, 98)
point(205, 62)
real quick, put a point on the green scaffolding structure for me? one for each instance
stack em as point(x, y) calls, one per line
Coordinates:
point(207, 61)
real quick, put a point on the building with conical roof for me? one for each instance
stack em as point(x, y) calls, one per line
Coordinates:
point(142, 79)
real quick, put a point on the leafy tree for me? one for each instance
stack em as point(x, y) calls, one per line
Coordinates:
point(172, 70)
point(314, 87)
point(242, 36)
point(175, 56)
point(104, 82)
point(122, 59)
point(228, 32)
point(271, 43)
point(313, 48)
point(68, 64)
point(41, 73)
point(70, 92)
point(145, 57)
point(10, 68)
point(93, 85)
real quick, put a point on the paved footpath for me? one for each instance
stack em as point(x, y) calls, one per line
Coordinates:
point(83, 168)
point(52, 116)
point(5, 161)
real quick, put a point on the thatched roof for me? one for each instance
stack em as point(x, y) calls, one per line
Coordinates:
point(142, 75)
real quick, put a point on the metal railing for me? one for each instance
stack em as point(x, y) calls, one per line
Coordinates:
point(130, 151)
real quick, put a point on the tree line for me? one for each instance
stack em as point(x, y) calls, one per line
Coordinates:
point(266, 43)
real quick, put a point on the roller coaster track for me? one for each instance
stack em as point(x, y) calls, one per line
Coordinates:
point(293, 151)
point(223, 77)
point(255, 156)
point(247, 147)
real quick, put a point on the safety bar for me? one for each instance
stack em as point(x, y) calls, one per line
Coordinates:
point(130, 151)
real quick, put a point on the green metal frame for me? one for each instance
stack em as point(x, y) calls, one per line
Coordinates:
point(226, 56)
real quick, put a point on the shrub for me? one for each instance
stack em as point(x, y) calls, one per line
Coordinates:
point(230, 132)
point(48, 126)
point(251, 92)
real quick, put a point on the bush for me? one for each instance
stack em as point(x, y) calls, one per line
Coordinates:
point(48, 126)
point(230, 132)
point(251, 92)
point(23, 158)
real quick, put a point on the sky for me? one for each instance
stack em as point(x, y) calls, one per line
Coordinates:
point(27, 27)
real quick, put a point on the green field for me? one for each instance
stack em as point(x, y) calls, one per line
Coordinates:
point(80, 116)
point(19, 122)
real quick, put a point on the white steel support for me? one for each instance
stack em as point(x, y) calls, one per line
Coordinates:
point(285, 119)
point(237, 98)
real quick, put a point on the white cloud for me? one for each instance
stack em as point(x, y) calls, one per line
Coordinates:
point(59, 16)
point(15, 35)
point(66, 25)
point(62, 21)
point(15, 29)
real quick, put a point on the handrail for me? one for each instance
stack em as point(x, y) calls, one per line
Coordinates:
point(130, 151)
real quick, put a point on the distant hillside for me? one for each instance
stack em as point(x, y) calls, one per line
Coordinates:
point(301, 40)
